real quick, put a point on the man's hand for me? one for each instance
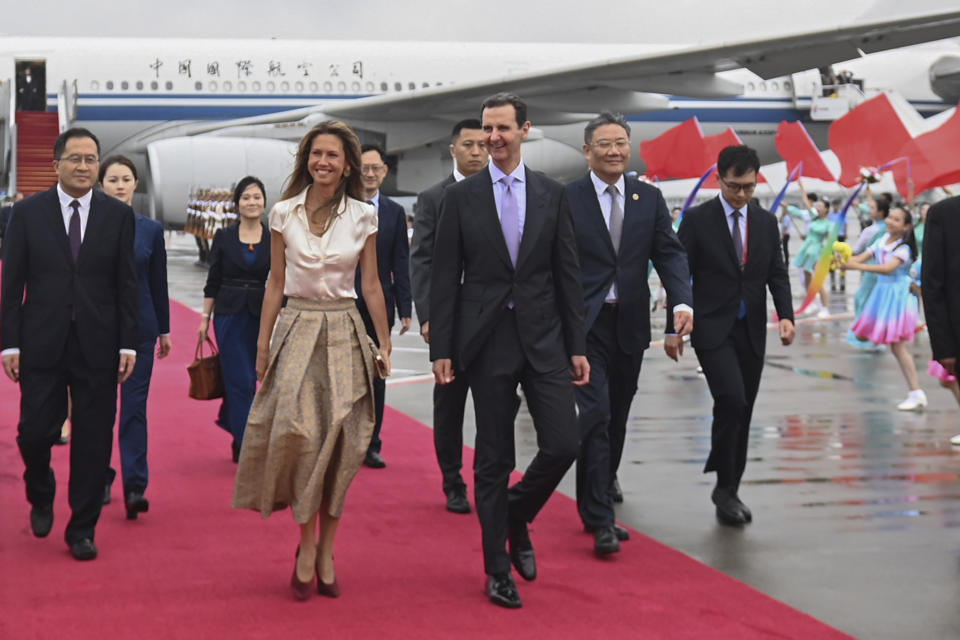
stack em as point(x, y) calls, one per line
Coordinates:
point(425, 331)
point(580, 370)
point(404, 325)
point(443, 371)
point(11, 366)
point(163, 347)
point(950, 364)
point(787, 332)
point(683, 323)
point(673, 347)
point(125, 370)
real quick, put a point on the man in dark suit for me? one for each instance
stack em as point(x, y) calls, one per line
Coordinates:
point(393, 264)
point(621, 225)
point(506, 305)
point(941, 300)
point(71, 250)
point(5, 218)
point(734, 253)
point(469, 152)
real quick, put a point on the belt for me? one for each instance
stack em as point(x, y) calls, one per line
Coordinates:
point(242, 284)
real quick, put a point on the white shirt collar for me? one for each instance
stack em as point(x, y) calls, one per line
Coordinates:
point(601, 186)
point(456, 172)
point(518, 174)
point(66, 199)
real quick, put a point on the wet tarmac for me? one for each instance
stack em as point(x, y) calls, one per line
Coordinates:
point(856, 505)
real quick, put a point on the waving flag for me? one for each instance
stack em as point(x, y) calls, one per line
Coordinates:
point(675, 153)
point(796, 147)
point(867, 136)
point(934, 157)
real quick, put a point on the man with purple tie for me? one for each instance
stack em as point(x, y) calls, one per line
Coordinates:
point(68, 324)
point(507, 306)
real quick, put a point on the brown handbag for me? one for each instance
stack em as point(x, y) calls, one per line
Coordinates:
point(206, 381)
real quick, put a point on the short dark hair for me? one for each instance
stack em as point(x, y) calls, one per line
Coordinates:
point(75, 132)
point(469, 123)
point(883, 206)
point(837, 203)
point(740, 158)
point(118, 159)
point(503, 99)
point(242, 186)
point(812, 197)
point(605, 117)
point(374, 147)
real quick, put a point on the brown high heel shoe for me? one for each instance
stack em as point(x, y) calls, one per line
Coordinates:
point(331, 590)
point(301, 590)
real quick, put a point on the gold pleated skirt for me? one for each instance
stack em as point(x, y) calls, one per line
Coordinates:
point(312, 418)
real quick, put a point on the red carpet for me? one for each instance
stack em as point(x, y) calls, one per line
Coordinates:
point(195, 568)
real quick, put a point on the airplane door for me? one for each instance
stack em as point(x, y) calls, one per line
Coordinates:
point(31, 85)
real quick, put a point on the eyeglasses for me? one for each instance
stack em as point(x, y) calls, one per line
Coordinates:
point(605, 145)
point(78, 159)
point(737, 187)
point(372, 168)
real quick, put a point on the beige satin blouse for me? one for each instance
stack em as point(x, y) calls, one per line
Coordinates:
point(322, 267)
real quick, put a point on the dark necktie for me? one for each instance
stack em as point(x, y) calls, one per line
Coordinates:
point(510, 219)
point(616, 217)
point(737, 240)
point(75, 230)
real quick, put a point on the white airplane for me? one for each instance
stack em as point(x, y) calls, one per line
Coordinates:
point(202, 112)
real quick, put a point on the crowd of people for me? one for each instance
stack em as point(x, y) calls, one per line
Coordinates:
point(517, 280)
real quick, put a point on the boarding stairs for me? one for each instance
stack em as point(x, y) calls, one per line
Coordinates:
point(36, 133)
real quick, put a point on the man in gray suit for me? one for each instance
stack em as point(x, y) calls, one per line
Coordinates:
point(469, 151)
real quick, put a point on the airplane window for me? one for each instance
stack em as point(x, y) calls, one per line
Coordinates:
point(125, 85)
point(314, 87)
point(213, 85)
point(439, 84)
point(139, 85)
point(762, 86)
point(426, 85)
point(256, 85)
point(299, 87)
point(241, 86)
point(198, 85)
point(94, 85)
point(775, 85)
point(327, 87)
point(751, 86)
point(341, 86)
point(355, 87)
point(228, 86)
point(412, 86)
point(169, 86)
point(271, 87)
point(109, 85)
point(397, 86)
point(787, 85)
point(370, 88)
point(285, 86)
point(154, 85)
point(384, 86)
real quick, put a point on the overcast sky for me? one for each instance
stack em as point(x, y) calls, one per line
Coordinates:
point(636, 21)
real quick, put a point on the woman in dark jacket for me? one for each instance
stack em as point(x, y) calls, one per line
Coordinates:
point(239, 265)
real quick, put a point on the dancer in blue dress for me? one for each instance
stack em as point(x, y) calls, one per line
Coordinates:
point(818, 230)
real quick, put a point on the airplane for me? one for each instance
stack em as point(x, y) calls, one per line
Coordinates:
point(202, 112)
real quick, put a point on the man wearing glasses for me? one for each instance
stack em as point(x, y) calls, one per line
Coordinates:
point(71, 250)
point(621, 225)
point(393, 265)
point(733, 248)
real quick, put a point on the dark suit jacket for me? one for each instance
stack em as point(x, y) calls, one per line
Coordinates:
point(393, 262)
point(99, 291)
point(647, 235)
point(544, 286)
point(230, 281)
point(718, 282)
point(940, 276)
point(150, 256)
point(426, 213)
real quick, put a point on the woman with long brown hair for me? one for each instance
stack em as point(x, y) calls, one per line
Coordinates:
point(312, 418)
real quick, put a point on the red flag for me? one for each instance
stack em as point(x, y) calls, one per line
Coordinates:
point(869, 135)
point(933, 157)
point(795, 146)
point(675, 153)
point(712, 146)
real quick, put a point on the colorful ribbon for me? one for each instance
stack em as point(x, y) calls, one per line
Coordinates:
point(693, 194)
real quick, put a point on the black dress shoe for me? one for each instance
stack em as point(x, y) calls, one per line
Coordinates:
point(136, 504)
point(374, 460)
point(521, 550)
point(83, 549)
point(605, 541)
point(502, 591)
point(41, 520)
point(106, 493)
point(616, 494)
point(457, 500)
point(235, 451)
point(621, 533)
point(729, 509)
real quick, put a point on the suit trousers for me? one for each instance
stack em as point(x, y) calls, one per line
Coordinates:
point(604, 406)
point(449, 402)
point(733, 374)
point(493, 376)
point(43, 408)
point(379, 384)
point(132, 432)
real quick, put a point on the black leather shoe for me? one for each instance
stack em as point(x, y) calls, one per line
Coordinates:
point(83, 549)
point(521, 550)
point(616, 494)
point(457, 500)
point(136, 504)
point(621, 533)
point(605, 541)
point(235, 451)
point(106, 493)
point(374, 460)
point(41, 520)
point(729, 509)
point(502, 591)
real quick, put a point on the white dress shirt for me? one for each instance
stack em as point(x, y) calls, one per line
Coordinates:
point(456, 172)
point(375, 201)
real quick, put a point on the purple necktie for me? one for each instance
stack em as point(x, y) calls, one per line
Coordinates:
point(510, 219)
point(75, 231)
point(737, 240)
